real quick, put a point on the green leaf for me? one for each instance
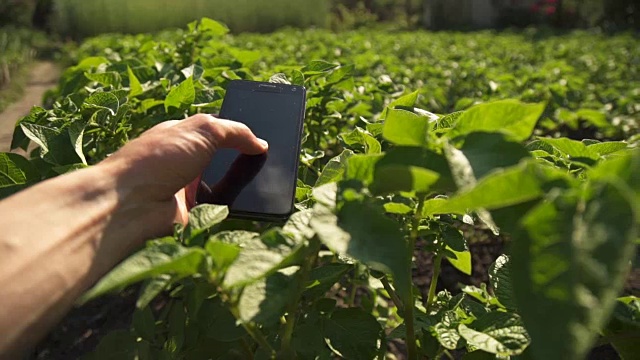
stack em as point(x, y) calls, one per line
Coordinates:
point(594, 117)
point(497, 333)
point(76, 134)
point(623, 329)
point(176, 321)
point(222, 254)
point(298, 225)
point(422, 158)
point(19, 139)
point(262, 256)
point(446, 331)
point(325, 195)
point(322, 278)
point(352, 333)
point(362, 167)
point(213, 27)
point(204, 217)
point(215, 321)
point(363, 232)
point(397, 208)
point(104, 101)
point(246, 57)
point(461, 260)
point(334, 169)
point(297, 78)
point(308, 339)
point(152, 288)
point(156, 259)
point(118, 344)
point(395, 178)
point(318, 67)
point(458, 252)
point(623, 170)
point(572, 254)
point(342, 73)
point(359, 136)
point(406, 101)
point(181, 96)
point(194, 71)
point(609, 147)
point(573, 150)
point(264, 301)
point(16, 173)
point(55, 146)
point(487, 152)
point(109, 78)
point(403, 127)
point(511, 117)
point(460, 166)
point(135, 88)
point(144, 324)
point(523, 181)
point(500, 278)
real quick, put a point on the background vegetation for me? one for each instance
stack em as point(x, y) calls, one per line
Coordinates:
point(81, 17)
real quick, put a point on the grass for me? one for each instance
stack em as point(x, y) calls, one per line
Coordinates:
point(13, 91)
point(79, 18)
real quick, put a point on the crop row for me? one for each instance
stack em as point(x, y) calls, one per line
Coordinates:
point(402, 144)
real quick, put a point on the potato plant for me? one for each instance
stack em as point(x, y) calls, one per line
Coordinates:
point(382, 168)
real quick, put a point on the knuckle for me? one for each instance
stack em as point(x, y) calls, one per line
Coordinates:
point(243, 129)
point(208, 127)
point(202, 118)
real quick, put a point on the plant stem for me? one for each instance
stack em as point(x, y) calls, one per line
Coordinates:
point(446, 352)
point(392, 294)
point(287, 332)
point(352, 296)
point(246, 348)
point(254, 332)
point(434, 281)
point(259, 337)
point(412, 350)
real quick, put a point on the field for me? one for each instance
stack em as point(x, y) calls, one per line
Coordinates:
point(410, 138)
point(84, 18)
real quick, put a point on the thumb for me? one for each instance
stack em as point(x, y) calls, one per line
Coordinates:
point(226, 134)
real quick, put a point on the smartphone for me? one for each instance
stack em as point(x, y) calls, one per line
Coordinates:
point(258, 187)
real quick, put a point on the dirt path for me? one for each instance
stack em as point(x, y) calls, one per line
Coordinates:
point(43, 76)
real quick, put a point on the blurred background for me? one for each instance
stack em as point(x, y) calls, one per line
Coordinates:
point(81, 18)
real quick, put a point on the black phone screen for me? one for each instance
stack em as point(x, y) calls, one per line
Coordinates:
point(259, 184)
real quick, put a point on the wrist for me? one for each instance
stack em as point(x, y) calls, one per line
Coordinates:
point(138, 213)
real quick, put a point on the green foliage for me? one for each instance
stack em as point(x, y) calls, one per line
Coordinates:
point(80, 18)
point(17, 12)
point(18, 47)
point(378, 174)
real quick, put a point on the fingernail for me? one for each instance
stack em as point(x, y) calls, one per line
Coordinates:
point(264, 143)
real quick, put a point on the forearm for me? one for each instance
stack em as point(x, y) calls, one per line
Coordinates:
point(58, 238)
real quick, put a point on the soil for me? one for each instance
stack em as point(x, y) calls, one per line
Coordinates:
point(42, 77)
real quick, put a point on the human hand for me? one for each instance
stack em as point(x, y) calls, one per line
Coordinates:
point(164, 164)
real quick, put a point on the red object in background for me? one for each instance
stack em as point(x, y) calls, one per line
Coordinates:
point(548, 7)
